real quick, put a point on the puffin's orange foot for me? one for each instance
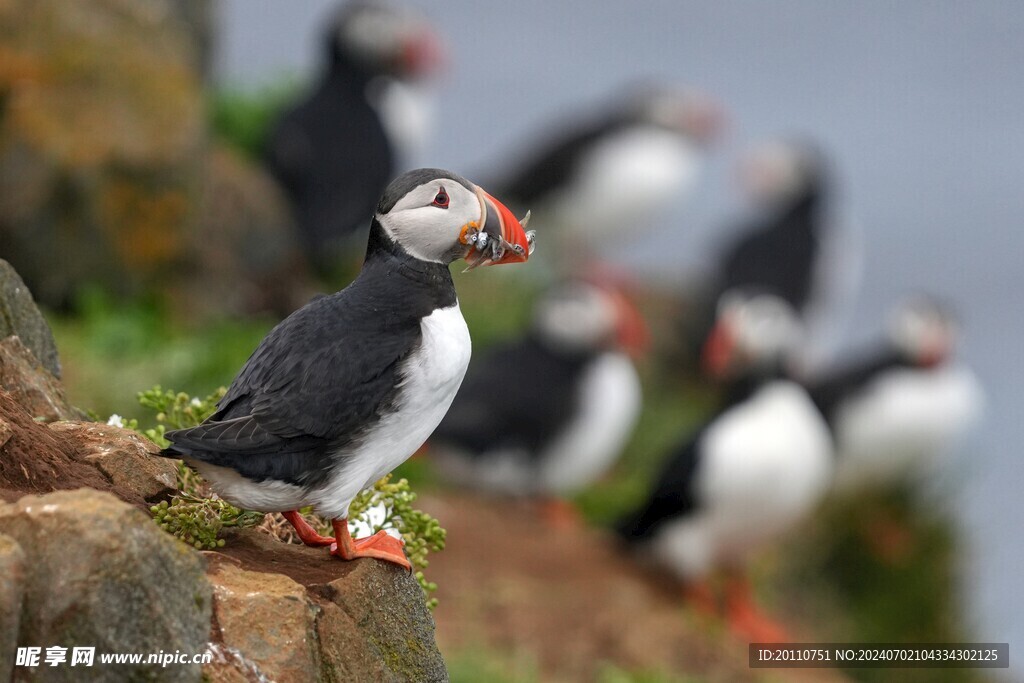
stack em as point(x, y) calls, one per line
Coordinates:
point(561, 514)
point(746, 620)
point(305, 531)
point(380, 546)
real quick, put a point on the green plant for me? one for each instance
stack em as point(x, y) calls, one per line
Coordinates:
point(176, 410)
point(199, 521)
point(243, 118)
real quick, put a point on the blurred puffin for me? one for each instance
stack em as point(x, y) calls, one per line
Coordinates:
point(896, 410)
point(748, 474)
point(547, 414)
point(349, 386)
point(791, 247)
point(611, 173)
point(335, 152)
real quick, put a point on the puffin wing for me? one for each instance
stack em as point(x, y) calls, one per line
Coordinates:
point(553, 165)
point(319, 378)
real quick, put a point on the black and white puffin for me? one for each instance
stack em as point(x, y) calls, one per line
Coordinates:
point(547, 414)
point(349, 386)
point(791, 246)
point(335, 152)
point(609, 174)
point(749, 473)
point(897, 410)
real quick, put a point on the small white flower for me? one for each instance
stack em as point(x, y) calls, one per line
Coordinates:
point(196, 403)
point(375, 517)
point(116, 421)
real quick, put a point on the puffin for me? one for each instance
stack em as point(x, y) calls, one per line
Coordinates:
point(349, 386)
point(895, 410)
point(334, 152)
point(606, 175)
point(546, 414)
point(791, 245)
point(751, 472)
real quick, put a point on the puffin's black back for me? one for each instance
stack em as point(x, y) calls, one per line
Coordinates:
point(674, 494)
point(324, 375)
point(778, 255)
point(830, 390)
point(332, 156)
point(555, 165)
point(517, 397)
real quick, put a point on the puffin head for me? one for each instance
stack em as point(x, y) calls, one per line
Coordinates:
point(583, 316)
point(752, 331)
point(781, 171)
point(688, 112)
point(924, 330)
point(379, 38)
point(440, 217)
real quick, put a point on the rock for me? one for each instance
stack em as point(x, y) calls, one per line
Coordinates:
point(269, 618)
point(129, 461)
point(36, 458)
point(102, 136)
point(20, 316)
point(128, 587)
point(33, 386)
point(402, 640)
point(354, 621)
point(12, 577)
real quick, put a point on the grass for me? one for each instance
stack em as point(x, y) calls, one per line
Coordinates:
point(243, 118)
point(110, 352)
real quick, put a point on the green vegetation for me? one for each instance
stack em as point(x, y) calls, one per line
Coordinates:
point(243, 118)
point(885, 563)
point(483, 664)
point(110, 349)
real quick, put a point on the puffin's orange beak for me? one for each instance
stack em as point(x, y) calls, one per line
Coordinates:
point(499, 238)
point(422, 53)
point(716, 354)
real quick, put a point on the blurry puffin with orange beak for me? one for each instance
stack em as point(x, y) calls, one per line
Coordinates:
point(606, 176)
point(547, 414)
point(898, 410)
point(749, 473)
point(335, 151)
point(349, 386)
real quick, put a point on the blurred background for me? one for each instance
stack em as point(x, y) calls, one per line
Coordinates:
point(916, 106)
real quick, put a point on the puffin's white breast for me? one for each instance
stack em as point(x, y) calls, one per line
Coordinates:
point(626, 180)
point(904, 423)
point(609, 405)
point(764, 465)
point(430, 378)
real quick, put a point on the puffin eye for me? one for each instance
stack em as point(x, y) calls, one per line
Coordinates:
point(441, 200)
